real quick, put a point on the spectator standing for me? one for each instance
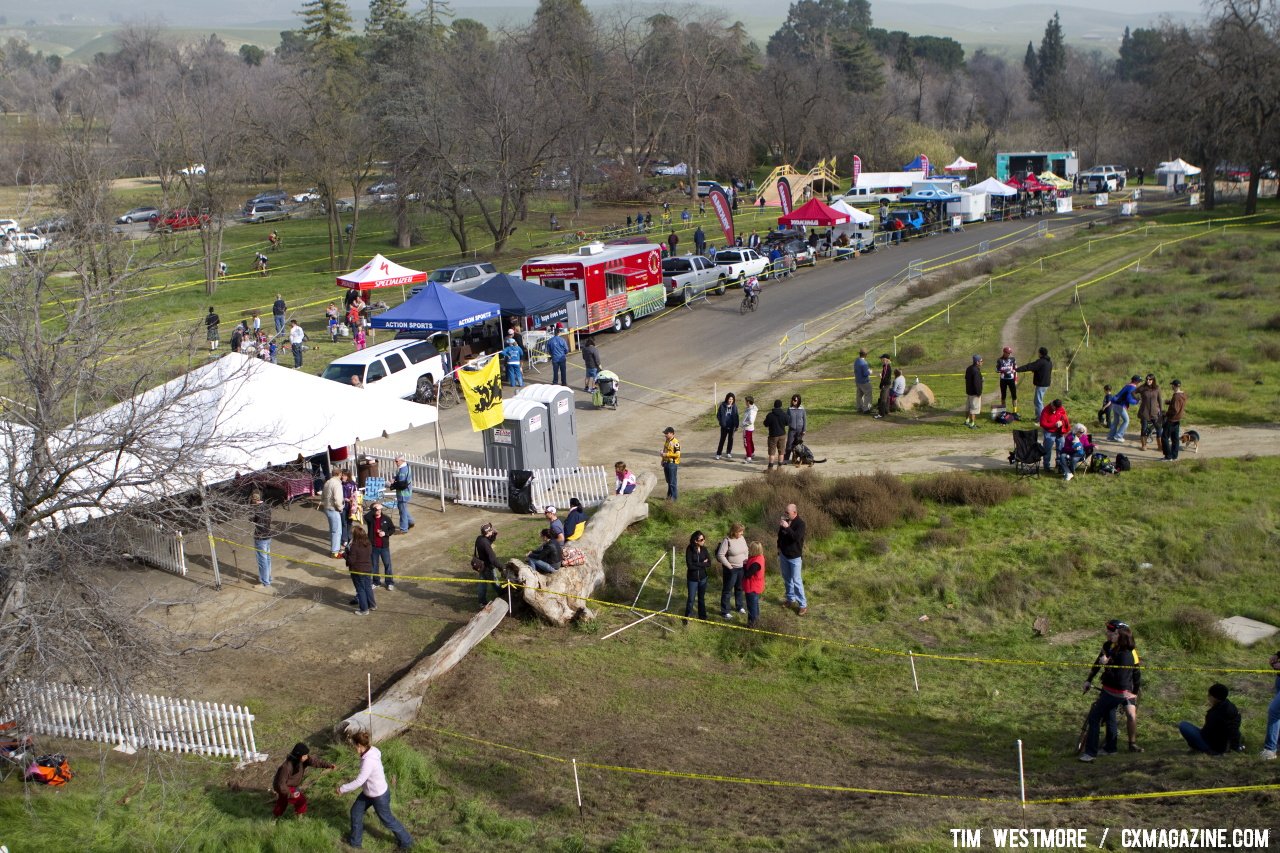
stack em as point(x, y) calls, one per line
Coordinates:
point(753, 581)
point(727, 418)
point(331, 503)
point(262, 536)
point(731, 555)
point(749, 430)
point(1112, 629)
point(797, 424)
point(256, 324)
point(1150, 410)
point(973, 390)
point(671, 461)
point(1105, 416)
point(1120, 403)
point(296, 337)
point(673, 240)
point(1268, 752)
point(359, 560)
point(558, 351)
point(349, 503)
point(375, 793)
point(591, 362)
point(488, 557)
point(776, 423)
point(1007, 370)
point(1056, 425)
point(288, 780)
point(862, 380)
point(277, 313)
point(700, 240)
point(237, 337)
point(886, 380)
point(626, 480)
point(1116, 692)
point(513, 355)
point(1041, 371)
point(697, 562)
point(211, 321)
point(380, 528)
point(791, 558)
point(403, 485)
point(1171, 433)
point(1221, 730)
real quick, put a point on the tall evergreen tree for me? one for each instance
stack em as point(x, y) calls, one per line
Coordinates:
point(326, 24)
point(384, 14)
point(1029, 62)
point(1051, 60)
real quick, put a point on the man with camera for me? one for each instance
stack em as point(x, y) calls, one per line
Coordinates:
point(790, 558)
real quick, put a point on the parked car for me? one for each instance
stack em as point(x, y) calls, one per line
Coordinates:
point(399, 368)
point(146, 213)
point(192, 170)
point(705, 187)
point(801, 254)
point(312, 194)
point(266, 197)
point(460, 278)
point(912, 219)
point(383, 188)
point(9, 226)
point(689, 276)
point(265, 212)
point(26, 241)
point(180, 219)
point(53, 225)
point(1102, 179)
point(738, 264)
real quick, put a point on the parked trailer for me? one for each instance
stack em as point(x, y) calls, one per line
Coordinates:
point(612, 285)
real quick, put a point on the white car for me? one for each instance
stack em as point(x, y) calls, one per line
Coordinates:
point(312, 194)
point(9, 226)
point(28, 242)
point(193, 169)
point(404, 367)
point(738, 264)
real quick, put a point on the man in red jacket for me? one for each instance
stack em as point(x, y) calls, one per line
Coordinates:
point(1056, 425)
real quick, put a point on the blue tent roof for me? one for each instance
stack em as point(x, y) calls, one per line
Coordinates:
point(516, 296)
point(436, 309)
point(915, 165)
point(930, 194)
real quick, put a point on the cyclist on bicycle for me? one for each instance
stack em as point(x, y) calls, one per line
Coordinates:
point(751, 291)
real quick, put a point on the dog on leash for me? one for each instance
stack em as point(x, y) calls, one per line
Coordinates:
point(1191, 441)
point(802, 455)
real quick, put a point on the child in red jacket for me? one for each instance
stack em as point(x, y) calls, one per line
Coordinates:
point(753, 581)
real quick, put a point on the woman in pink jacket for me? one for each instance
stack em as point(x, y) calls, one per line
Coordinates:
point(374, 792)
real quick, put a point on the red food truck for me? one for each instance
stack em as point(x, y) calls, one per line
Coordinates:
point(612, 285)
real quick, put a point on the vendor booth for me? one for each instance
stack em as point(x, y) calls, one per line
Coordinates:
point(961, 165)
point(813, 214)
point(860, 227)
point(531, 305)
point(380, 272)
point(1176, 174)
point(474, 326)
point(998, 193)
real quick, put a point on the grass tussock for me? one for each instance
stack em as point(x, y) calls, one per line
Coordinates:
point(962, 489)
point(1224, 363)
point(1269, 351)
point(1272, 323)
point(942, 537)
point(870, 501)
point(1192, 629)
point(1222, 390)
point(930, 285)
point(911, 354)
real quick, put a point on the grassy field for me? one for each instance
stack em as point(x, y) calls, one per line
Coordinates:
point(1167, 549)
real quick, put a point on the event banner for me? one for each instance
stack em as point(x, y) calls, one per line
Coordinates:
point(784, 195)
point(724, 212)
point(924, 164)
point(482, 388)
point(857, 170)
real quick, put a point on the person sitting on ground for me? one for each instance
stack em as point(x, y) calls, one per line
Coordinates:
point(288, 779)
point(576, 521)
point(547, 556)
point(626, 480)
point(1221, 730)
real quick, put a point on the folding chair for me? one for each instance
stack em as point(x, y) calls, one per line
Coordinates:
point(1027, 454)
point(374, 488)
point(17, 750)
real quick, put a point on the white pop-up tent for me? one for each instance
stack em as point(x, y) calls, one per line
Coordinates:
point(1174, 173)
point(993, 187)
point(961, 165)
point(859, 226)
point(380, 272)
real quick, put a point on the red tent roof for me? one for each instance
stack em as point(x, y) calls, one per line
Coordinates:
point(814, 213)
point(380, 272)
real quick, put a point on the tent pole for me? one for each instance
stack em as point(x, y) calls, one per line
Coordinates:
point(439, 452)
point(208, 526)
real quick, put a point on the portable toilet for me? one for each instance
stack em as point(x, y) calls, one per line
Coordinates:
point(522, 440)
point(560, 419)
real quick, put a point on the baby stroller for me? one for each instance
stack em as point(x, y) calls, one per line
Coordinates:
point(1027, 453)
point(606, 390)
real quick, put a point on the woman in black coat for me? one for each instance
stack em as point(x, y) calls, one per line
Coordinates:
point(727, 417)
point(697, 560)
point(359, 557)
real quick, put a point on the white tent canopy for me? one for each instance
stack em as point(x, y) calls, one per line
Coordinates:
point(856, 217)
point(1178, 167)
point(993, 187)
point(380, 272)
point(961, 165)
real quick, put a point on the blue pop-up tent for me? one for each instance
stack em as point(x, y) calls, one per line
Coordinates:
point(519, 298)
point(436, 309)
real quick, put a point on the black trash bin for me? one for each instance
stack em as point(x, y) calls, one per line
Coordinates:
point(520, 491)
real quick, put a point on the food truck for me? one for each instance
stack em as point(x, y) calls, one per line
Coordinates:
point(612, 286)
point(1018, 164)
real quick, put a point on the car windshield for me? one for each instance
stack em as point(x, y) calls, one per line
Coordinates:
point(676, 265)
point(728, 258)
point(343, 372)
point(444, 275)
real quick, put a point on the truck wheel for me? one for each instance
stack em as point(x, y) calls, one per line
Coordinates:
point(617, 323)
point(742, 278)
point(686, 297)
point(720, 286)
point(627, 320)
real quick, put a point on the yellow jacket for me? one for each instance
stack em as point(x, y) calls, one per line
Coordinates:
point(671, 450)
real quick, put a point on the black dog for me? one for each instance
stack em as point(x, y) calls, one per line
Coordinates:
point(802, 455)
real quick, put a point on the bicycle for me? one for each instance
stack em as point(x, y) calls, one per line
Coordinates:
point(750, 298)
point(442, 396)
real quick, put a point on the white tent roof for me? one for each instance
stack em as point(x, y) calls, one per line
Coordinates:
point(1179, 166)
point(856, 217)
point(961, 165)
point(993, 187)
point(380, 272)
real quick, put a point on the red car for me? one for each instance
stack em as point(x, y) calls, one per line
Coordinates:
point(180, 219)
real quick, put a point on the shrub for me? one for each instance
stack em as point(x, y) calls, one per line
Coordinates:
point(1272, 323)
point(1192, 629)
point(963, 489)
point(1222, 390)
point(1269, 351)
point(944, 538)
point(910, 354)
point(1243, 253)
point(928, 286)
point(870, 501)
point(879, 545)
point(1223, 363)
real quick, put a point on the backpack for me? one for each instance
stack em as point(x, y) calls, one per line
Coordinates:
point(1006, 418)
point(51, 769)
point(1097, 460)
point(1122, 462)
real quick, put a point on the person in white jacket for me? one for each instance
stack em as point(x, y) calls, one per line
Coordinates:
point(373, 782)
point(749, 429)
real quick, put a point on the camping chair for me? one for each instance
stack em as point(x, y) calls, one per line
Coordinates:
point(17, 750)
point(374, 489)
point(1027, 454)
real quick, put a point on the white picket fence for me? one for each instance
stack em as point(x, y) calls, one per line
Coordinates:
point(488, 487)
point(141, 720)
point(160, 548)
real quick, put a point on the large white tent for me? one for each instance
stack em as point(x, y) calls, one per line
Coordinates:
point(380, 272)
point(1175, 172)
point(856, 217)
point(993, 187)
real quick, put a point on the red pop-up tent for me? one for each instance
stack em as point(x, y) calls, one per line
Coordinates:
point(380, 272)
point(815, 214)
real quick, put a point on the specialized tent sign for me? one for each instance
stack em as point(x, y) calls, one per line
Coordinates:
point(960, 165)
point(380, 272)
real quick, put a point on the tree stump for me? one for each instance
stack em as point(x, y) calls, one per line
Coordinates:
point(558, 598)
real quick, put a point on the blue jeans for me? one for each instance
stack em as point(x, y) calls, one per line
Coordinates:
point(1067, 463)
point(279, 318)
point(1171, 440)
point(402, 509)
point(542, 566)
point(671, 470)
point(1191, 733)
point(753, 608)
point(559, 372)
point(1273, 723)
point(264, 560)
point(698, 590)
point(364, 591)
point(592, 372)
point(335, 529)
point(1052, 447)
point(297, 354)
point(792, 580)
point(1120, 425)
point(515, 375)
point(382, 808)
point(488, 575)
point(1040, 392)
point(383, 554)
point(1103, 708)
point(346, 527)
point(731, 582)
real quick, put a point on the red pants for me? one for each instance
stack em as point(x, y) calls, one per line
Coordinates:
point(282, 803)
point(749, 443)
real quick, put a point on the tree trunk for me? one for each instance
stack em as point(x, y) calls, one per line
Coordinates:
point(562, 600)
point(404, 238)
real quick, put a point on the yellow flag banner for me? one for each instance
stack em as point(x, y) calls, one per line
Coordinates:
point(482, 388)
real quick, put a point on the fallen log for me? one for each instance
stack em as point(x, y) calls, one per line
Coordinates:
point(558, 597)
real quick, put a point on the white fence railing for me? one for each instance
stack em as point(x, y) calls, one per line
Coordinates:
point(160, 548)
point(554, 486)
point(140, 720)
point(424, 472)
